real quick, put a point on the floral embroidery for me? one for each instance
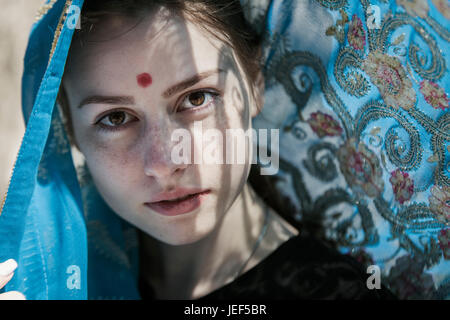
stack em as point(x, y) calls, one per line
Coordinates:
point(356, 34)
point(338, 30)
point(443, 7)
point(402, 185)
point(440, 203)
point(324, 125)
point(434, 94)
point(408, 280)
point(381, 69)
point(388, 75)
point(415, 8)
point(361, 168)
point(444, 243)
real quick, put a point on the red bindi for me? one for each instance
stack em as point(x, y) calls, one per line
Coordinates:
point(144, 80)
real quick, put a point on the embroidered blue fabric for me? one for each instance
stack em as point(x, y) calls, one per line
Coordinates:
point(358, 91)
point(42, 225)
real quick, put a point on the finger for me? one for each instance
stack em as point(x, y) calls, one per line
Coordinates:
point(8, 267)
point(5, 280)
point(12, 295)
point(6, 271)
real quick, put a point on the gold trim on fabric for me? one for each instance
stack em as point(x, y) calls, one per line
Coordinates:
point(61, 22)
point(44, 9)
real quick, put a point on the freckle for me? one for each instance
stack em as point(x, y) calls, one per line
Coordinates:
point(144, 80)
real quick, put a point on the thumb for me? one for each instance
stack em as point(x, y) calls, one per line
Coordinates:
point(7, 271)
point(12, 295)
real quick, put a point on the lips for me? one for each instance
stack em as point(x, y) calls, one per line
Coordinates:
point(178, 202)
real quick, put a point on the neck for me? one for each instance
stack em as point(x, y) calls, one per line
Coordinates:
point(193, 270)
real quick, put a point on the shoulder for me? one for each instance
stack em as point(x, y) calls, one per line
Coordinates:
point(297, 266)
point(307, 268)
point(292, 265)
point(279, 231)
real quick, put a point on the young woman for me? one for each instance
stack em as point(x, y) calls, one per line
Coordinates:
point(137, 72)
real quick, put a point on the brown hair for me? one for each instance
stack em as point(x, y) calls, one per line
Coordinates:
point(224, 19)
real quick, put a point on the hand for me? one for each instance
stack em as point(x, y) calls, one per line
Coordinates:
point(6, 273)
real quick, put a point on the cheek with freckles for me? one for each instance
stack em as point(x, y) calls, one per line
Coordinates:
point(115, 172)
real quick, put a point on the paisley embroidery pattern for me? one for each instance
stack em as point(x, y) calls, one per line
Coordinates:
point(324, 125)
point(389, 76)
point(361, 168)
point(380, 189)
point(353, 82)
point(434, 95)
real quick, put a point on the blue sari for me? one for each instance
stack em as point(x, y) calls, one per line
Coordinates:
point(43, 225)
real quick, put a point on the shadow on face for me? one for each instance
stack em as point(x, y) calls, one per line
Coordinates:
point(124, 126)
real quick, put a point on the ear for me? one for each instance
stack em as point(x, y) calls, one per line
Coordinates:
point(258, 94)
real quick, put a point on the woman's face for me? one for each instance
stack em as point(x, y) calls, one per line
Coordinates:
point(128, 94)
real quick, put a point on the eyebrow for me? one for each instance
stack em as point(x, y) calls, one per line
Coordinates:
point(121, 100)
point(115, 100)
point(189, 82)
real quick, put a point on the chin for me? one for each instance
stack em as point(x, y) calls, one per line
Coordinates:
point(178, 240)
point(177, 236)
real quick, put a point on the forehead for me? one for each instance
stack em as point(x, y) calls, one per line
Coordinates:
point(158, 43)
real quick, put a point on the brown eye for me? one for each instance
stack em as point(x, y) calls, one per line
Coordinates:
point(197, 98)
point(117, 118)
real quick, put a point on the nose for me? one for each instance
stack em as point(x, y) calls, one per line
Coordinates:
point(158, 157)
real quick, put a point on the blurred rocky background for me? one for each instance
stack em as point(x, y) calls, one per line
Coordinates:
point(16, 19)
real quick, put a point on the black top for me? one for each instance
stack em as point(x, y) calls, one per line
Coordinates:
point(301, 268)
